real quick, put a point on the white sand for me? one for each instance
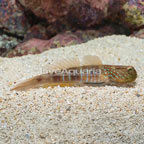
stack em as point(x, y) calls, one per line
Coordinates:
point(94, 115)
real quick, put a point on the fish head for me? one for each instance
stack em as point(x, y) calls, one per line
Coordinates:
point(124, 74)
point(131, 74)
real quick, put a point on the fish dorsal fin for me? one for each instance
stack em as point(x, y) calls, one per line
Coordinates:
point(91, 60)
point(65, 63)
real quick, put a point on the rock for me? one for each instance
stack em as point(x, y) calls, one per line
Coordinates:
point(37, 31)
point(7, 43)
point(51, 10)
point(32, 46)
point(83, 15)
point(138, 34)
point(59, 27)
point(35, 46)
point(12, 19)
point(91, 34)
point(80, 13)
point(45, 19)
point(65, 39)
point(115, 9)
point(133, 17)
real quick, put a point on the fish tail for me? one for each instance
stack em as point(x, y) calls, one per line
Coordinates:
point(44, 81)
point(34, 82)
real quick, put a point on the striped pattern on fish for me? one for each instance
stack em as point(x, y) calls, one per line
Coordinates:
point(90, 72)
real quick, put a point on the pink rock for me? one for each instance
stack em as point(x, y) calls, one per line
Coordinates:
point(80, 13)
point(48, 9)
point(32, 46)
point(35, 46)
point(65, 39)
point(37, 31)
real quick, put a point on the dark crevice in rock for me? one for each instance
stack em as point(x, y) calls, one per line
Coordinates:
point(31, 17)
point(33, 20)
point(119, 28)
point(4, 31)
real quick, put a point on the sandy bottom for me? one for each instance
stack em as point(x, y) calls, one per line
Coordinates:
point(94, 115)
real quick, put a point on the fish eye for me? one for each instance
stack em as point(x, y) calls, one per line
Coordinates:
point(130, 69)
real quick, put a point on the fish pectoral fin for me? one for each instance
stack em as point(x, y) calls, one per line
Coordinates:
point(91, 60)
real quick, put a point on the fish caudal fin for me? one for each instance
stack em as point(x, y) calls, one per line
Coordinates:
point(34, 82)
